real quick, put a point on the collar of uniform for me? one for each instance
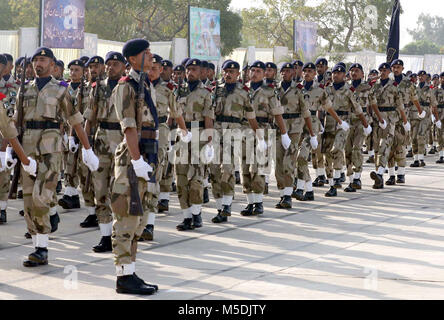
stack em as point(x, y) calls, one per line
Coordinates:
point(135, 75)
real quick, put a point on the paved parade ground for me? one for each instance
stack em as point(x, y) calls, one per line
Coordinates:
point(373, 244)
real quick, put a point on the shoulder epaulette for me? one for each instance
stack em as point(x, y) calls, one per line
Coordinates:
point(321, 86)
point(246, 88)
point(395, 84)
point(124, 79)
point(8, 85)
point(300, 86)
point(2, 96)
point(63, 84)
point(271, 86)
point(372, 83)
point(352, 89)
point(94, 84)
point(170, 86)
point(209, 89)
point(432, 87)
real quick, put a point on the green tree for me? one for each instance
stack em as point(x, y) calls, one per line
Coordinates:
point(421, 47)
point(429, 28)
point(5, 16)
point(25, 13)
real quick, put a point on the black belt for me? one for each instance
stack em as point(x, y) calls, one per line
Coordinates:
point(387, 109)
point(42, 125)
point(364, 109)
point(201, 124)
point(440, 106)
point(110, 125)
point(313, 113)
point(425, 104)
point(287, 116)
point(163, 119)
point(263, 120)
point(342, 113)
point(228, 119)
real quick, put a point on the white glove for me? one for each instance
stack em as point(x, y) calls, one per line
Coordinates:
point(65, 139)
point(422, 114)
point(31, 168)
point(314, 142)
point(407, 126)
point(3, 161)
point(209, 152)
point(321, 131)
point(383, 125)
point(90, 159)
point(10, 162)
point(433, 118)
point(367, 130)
point(344, 126)
point(187, 138)
point(438, 124)
point(141, 168)
point(73, 146)
point(286, 141)
point(261, 145)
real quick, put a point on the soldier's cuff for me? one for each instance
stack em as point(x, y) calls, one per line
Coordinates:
point(10, 132)
point(75, 119)
point(277, 111)
point(250, 115)
point(128, 123)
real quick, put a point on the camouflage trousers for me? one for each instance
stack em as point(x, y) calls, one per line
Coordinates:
point(71, 169)
point(286, 161)
point(420, 128)
point(317, 157)
point(88, 195)
point(165, 167)
point(371, 141)
point(303, 173)
point(353, 146)
point(440, 136)
point(127, 228)
point(5, 181)
point(39, 192)
point(398, 152)
point(101, 180)
point(386, 140)
point(334, 145)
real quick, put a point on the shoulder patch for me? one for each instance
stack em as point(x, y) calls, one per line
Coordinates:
point(63, 84)
point(432, 87)
point(209, 89)
point(124, 79)
point(300, 86)
point(2, 96)
point(271, 86)
point(170, 86)
point(321, 86)
point(94, 84)
point(8, 85)
point(352, 89)
point(372, 83)
point(395, 84)
point(246, 88)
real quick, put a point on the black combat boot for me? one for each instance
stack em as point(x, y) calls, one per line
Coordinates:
point(391, 181)
point(415, 164)
point(309, 196)
point(20, 194)
point(28, 235)
point(22, 213)
point(440, 160)
point(173, 187)
point(206, 196)
point(278, 205)
point(422, 163)
point(332, 192)
point(55, 220)
point(286, 202)
point(298, 194)
point(258, 208)
point(318, 182)
point(337, 184)
point(147, 284)
point(148, 233)
point(59, 187)
point(226, 211)
point(370, 159)
point(90, 222)
point(219, 218)
point(266, 189)
point(68, 202)
point(197, 220)
point(132, 285)
point(357, 184)
point(248, 211)
point(379, 181)
point(350, 188)
point(401, 179)
point(342, 178)
point(187, 224)
point(3, 218)
point(163, 205)
point(37, 258)
point(237, 176)
point(104, 245)
point(409, 154)
point(432, 150)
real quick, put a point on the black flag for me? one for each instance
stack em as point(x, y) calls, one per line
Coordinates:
point(393, 42)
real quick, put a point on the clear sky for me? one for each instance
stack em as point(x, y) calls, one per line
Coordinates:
point(412, 9)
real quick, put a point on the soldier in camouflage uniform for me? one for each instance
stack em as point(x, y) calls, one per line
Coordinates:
point(139, 123)
point(355, 138)
point(296, 115)
point(387, 105)
point(167, 70)
point(232, 104)
point(166, 108)
point(371, 142)
point(345, 103)
point(439, 94)
point(101, 116)
point(196, 105)
point(266, 105)
point(317, 101)
point(46, 105)
point(297, 76)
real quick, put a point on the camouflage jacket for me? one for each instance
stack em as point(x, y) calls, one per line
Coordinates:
point(387, 96)
point(7, 126)
point(196, 105)
point(362, 93)
point(439, 95)
point(166, 100)
point(407, 90)
point(295, 107)
point(266, 105)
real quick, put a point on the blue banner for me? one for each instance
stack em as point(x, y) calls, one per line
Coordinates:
point(393, 42)
point(63, 24)
point(204, 34)
point(305, 39)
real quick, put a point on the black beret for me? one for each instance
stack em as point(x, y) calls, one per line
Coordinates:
point(157, 58)
point(374, 71)
point(167, 63)
point(76, 62)
point(271, 65)
point(95, 59)
point(231, 65)
point(211, 66)
point(322, 62)
point(84, 59)
point(435, 76)
point(413, 75)
point(384, 65)
point(193, 62)
point(116, 56)
point(342, 64)
point(309, 65)
point(356, 65)
point(135, 46)
point(184, 61)
point(60, 63)
point(338, 68)
point(287, 65)
point(442, 74)
point(258, 64)
point(246, 67)
point(19, 61)
point(422, 73)
point(179, 67)
point(8, 57)
point(3, 59)
point(429, 75)
point(298, 63)
point(43, 52)
point(204, 64)
point(397, 62)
